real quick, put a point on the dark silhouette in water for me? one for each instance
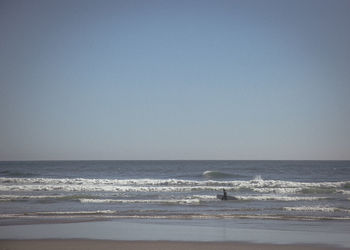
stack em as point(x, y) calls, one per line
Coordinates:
point(224, 197)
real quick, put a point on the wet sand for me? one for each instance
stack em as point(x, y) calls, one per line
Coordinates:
point(162, 235)
point(82, 244)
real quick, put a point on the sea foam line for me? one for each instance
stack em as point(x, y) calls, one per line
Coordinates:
point(317, 209)
point(174, 201)
point(196, 199)
point(108, 214)
point(257, 182)
point(60, 213)
point(11, 197)
point(168, 185)
point(126, 189)
point(279, 198)
point(110, 188)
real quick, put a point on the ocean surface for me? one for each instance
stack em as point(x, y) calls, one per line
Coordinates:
point(111, 190)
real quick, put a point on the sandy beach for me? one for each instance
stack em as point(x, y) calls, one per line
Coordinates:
point(81, 244)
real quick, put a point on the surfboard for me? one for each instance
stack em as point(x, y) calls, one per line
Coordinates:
point(229, 198)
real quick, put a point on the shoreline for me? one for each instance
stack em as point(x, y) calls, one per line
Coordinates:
point(249, 233)
point(80, 244)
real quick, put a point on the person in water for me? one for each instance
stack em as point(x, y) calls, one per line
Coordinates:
point(224, 197)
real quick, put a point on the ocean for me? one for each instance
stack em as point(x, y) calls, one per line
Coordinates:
point(33, 191)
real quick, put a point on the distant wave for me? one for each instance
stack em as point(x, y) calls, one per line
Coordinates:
point(209, 174)
point(10, 173)
point(219, 175)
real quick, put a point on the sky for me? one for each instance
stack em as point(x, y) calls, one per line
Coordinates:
point(166, 80)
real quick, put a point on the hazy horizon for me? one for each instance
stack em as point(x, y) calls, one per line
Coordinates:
point(169, 80)
point(156, 160)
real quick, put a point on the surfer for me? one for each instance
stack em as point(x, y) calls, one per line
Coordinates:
point(224, 197)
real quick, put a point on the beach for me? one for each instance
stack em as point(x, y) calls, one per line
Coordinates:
point(80, 244)
point(165, 234)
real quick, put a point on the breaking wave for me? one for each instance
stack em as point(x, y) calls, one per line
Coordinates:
point(167, 185)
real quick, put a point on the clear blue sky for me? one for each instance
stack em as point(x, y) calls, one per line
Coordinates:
point(174, 79)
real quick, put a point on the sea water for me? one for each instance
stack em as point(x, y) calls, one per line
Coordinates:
point(270, 194)
point(281, 190)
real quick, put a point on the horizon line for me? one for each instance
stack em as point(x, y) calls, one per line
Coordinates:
point(47, 160)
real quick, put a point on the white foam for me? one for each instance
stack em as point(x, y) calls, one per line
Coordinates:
point(204, 197)
point(194, 199)
point(109, 188)
point(60, 213)
point(317, 209)
point(77, 212)
point(277, 190)
point(160, 185)
point(83, 181)
point(278, 198)
point(23, 197)
point(172, 201)
point(258, 178)
point(342, 191)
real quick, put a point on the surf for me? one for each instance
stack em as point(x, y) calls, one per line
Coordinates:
point(256, 185)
